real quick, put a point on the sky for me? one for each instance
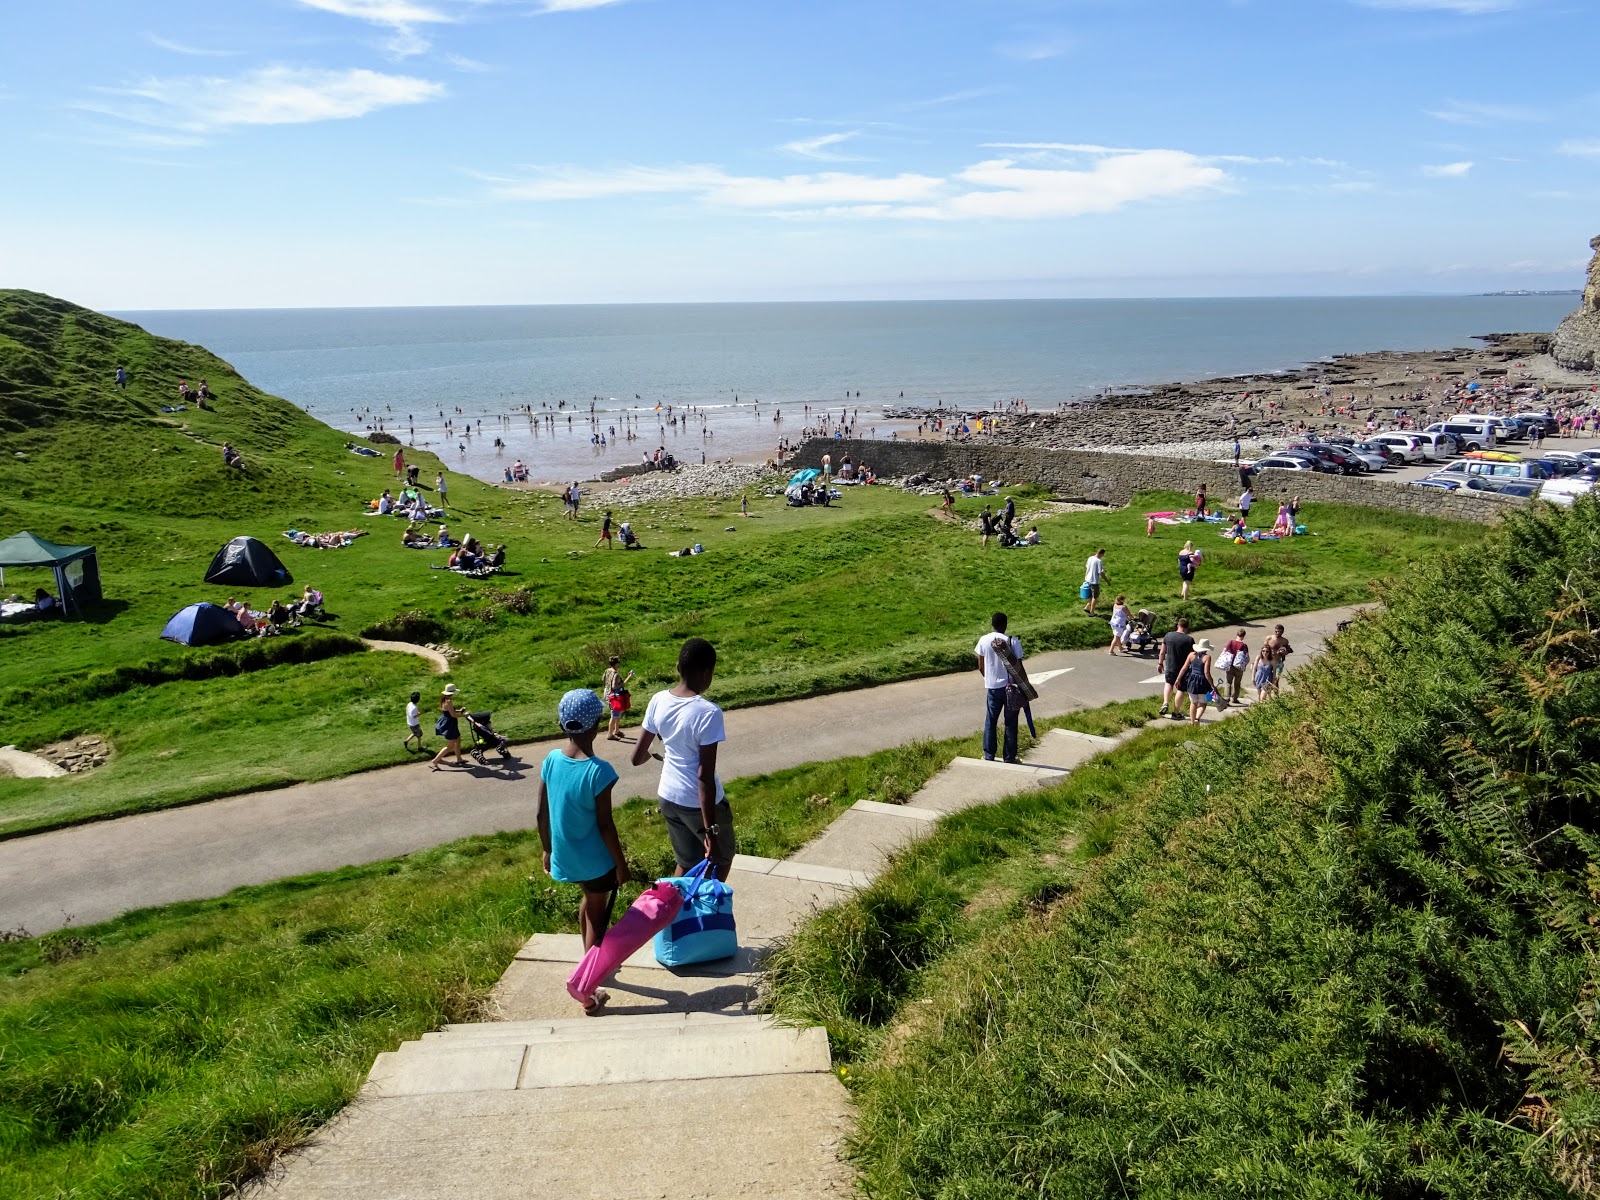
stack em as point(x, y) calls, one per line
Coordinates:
point(306, 153)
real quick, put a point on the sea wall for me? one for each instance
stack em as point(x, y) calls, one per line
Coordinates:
point(1104, 478)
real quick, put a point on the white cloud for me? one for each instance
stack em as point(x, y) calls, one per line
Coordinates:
point(268, 96)
point(1109, 182)
point(1455, 170)
point(820, 147)
point(1470, 112)
point(1467, 8)
point(400, 17)
point(1090, 180)
point(462, 63)
point(184, 48)
point(1581, 147)
point(575, 5)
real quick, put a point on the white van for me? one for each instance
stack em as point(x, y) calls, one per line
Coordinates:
point(1470, 433)
point(1437, 446)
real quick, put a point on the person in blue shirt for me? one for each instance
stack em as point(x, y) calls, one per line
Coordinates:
point(580, 839)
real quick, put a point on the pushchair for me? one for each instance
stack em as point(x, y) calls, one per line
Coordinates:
point(484, 738)
point(1141, 635)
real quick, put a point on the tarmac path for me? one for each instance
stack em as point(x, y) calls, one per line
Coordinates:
point(93, 872)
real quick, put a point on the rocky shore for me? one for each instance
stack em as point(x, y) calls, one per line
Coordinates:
point(723, 480)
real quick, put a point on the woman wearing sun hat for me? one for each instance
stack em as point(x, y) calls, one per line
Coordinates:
point(449, 727)
point(580, 839)
point(1197, 679)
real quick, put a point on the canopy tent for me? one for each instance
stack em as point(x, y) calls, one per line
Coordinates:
point(76, 568)
point(202, 625)
point(805, 476)
point(245, 562)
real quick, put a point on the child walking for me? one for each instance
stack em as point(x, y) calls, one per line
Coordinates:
point(1119, 624)
point(580, 839)
point(413, 721)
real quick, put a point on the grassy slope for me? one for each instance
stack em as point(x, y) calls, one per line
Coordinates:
point(798, 601)
point(174, 1050)
point(1344, 947)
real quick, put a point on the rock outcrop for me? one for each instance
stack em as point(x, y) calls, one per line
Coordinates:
point(1577, 340)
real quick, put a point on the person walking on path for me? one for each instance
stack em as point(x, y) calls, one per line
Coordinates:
point(1119, 623)
point(1188, 560)
point(614, 691)
point(443, 490)
point(699, 821)
point(413, 721)
point(605, 532)
point(1094, 570)
point(991, 652)
point(1175, 650)
point(1278, 650)
point(1263, 677)
point(576, 827)
point(449, 728)
point(1197, 680)
point(1238, 655)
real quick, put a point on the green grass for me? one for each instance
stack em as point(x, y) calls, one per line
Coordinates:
point(173, 1051)
point(1341, 946)
point(799, 602)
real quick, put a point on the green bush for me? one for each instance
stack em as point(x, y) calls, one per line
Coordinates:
point(413, 626)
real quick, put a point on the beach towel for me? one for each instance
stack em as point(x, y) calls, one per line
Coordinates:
point(655, 909)
point(704, 930)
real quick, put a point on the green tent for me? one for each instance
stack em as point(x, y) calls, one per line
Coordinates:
point(76, 567)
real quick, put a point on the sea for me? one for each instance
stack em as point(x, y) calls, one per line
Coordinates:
point(484, 387)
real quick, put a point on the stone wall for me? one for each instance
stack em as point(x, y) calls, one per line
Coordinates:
point(1100, 477)
point(1577, 339)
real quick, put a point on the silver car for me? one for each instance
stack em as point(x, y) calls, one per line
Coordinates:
point(1376, 457)
point(1402, 447)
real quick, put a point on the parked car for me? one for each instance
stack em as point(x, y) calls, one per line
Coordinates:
point(1544, 420)
point(1284, 462)
point(1337, 456)
point(1583, 458)
point(1563, 491)
point(1437, 446)
point(1473, 435)
point(1560, 468)
point(1505, 429)
point(1375, 456)
point(1401, 447)
point(1484, 468)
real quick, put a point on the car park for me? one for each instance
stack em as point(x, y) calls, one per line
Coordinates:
point(1401, 447)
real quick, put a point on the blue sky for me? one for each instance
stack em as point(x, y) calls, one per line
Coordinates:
point(180, 154)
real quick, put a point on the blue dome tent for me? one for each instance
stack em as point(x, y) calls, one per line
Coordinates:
point(202, 625)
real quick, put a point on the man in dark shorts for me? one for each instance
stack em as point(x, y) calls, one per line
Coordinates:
point(1175, 650)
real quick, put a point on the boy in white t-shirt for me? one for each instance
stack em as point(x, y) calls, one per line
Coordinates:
point(699, 821)
point(413, 721)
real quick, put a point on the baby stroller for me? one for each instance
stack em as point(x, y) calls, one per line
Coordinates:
point(1141, 635)
point(484, 738)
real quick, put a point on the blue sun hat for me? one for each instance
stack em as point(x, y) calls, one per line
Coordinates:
point(580, 711)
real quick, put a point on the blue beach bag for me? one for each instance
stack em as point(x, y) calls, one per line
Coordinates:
point(704, 930)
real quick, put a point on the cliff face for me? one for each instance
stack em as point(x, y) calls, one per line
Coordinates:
point(1577, 340)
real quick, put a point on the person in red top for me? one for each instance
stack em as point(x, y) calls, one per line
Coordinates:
point(1238, 659)
point(399, 464)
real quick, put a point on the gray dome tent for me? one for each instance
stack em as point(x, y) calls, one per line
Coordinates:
point(245, 562)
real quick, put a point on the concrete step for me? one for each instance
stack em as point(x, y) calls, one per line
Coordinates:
point(560, 1026)
point(729, 1025)
point(537, 991)
point(860, 840)
point(1065, 749)
point(477, 1066)
point(568, 948)
point(968, 782)
point(773, 1137)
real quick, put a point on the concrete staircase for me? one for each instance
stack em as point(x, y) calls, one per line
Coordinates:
point(677, 1089)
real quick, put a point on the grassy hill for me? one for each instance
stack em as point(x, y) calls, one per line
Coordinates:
point(799, 601)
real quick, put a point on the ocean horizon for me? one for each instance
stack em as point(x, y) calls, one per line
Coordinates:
point(755, 367)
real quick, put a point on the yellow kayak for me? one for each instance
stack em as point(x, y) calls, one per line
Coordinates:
point(1493, 456)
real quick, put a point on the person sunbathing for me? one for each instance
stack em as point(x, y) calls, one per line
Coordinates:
point(414, 539)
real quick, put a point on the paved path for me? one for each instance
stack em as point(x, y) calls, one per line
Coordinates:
point(94, 872)
point(441, 664)
point(690, 1094)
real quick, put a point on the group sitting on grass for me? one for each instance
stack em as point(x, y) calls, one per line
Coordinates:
point(409, 505)
point(279, 615)
point(471, 557)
